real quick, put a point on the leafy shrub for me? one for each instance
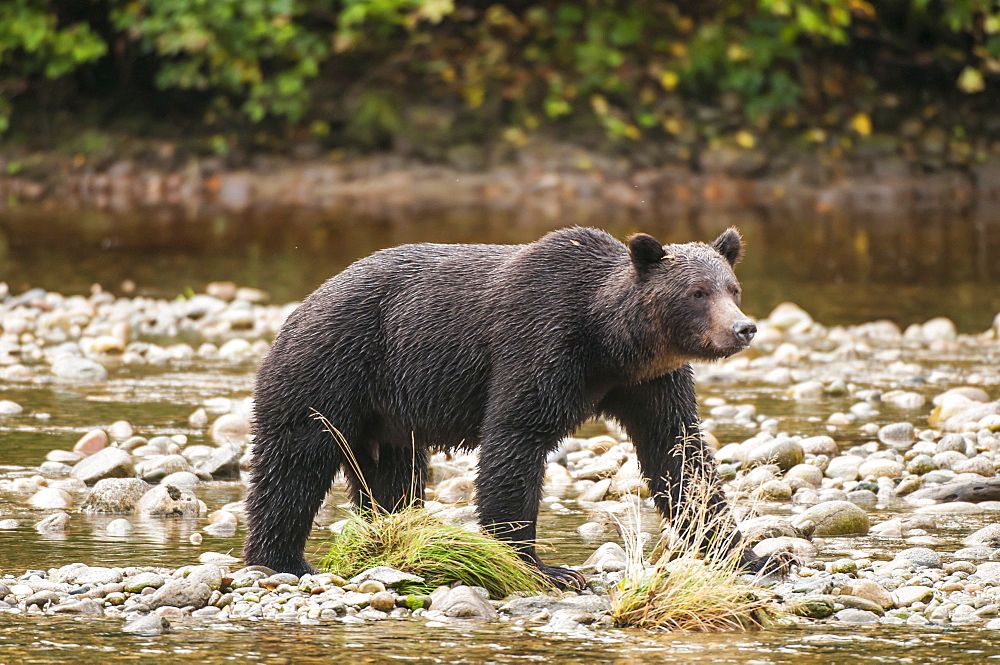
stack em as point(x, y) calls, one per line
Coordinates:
point(633, 68)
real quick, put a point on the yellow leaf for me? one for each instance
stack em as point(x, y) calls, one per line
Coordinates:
point(862, 8)
point(816, 135)
point(599, 104)
point(673, 125)
point(516, 136)
point(862, 124)
point(474, 96)
point(435, 10)
point(737, 53)
point(745, 139)
point(669, 80)
point(971, 81)
point(633, 132)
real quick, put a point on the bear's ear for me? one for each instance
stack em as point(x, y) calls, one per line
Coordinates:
point(730, 245)
point(645, 250)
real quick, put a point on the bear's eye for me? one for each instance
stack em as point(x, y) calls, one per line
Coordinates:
point(700, 293)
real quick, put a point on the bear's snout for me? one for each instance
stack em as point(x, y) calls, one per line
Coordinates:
point(744, 331)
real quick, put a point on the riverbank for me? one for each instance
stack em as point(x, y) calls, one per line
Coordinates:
point(869, 452)
point(543, 181)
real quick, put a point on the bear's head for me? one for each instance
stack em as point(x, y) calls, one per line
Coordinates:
point(692, 297)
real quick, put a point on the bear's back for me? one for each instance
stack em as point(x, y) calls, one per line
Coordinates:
point(418, 328)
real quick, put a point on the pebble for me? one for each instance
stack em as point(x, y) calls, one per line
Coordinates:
point(230, 428)
point(9, 408)
point(906, 596)
point(51, 497)
point(168, 501)
point(832, 518)
point(55, 523)
point(880, 468)
point(897, 434)
point(785, 453)
point(105, 463)
point(844, 467)
point(852, 615)
point(819, 445)
point(91, 442)
point(79, 370)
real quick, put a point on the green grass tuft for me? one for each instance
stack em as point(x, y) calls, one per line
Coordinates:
point(415, 541)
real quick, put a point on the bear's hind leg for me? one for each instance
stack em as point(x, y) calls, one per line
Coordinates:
point(291, 471)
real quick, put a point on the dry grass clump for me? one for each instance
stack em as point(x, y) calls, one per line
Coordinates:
point(684, 589)
point(414, 540)
point(691, 595)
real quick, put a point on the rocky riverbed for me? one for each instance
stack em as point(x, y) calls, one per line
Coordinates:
point(869, 452)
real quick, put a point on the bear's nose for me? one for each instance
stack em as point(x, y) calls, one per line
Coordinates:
point(744, 331)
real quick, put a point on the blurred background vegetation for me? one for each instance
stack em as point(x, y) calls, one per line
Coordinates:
point(651, 78)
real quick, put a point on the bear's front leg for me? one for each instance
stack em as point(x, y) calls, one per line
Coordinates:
point(661, 418)
point(509, 488)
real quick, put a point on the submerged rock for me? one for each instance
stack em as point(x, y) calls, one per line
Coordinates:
point(146, 624)
point(79, 370)
point(168, 501)
point(115, 495)
point(530, 605)
point(51, 497)
point(974, 491)
point(55, 523)
point(464, 602)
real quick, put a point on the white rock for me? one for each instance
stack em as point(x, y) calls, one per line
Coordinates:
point(9, 408)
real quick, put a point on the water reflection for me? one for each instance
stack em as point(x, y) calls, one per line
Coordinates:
point(54, 639)
point(843, 268)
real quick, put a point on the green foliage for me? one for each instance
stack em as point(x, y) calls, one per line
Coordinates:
point(36, 44)
point(633, 69)
point(257, 52)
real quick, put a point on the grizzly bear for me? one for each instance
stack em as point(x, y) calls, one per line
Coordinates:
point(504, 348)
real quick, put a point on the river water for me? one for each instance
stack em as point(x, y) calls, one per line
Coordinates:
point(841, 270)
